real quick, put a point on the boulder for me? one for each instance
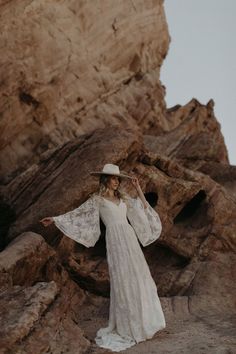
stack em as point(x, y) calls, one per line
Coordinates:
point(25, 260)
point(33, 321)
point(21, 309)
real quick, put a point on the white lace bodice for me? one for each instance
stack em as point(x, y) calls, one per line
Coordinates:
point(82, 224)
point(112, 213)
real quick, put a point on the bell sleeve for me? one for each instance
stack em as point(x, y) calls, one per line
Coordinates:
point(81, 224)
point(145, 221)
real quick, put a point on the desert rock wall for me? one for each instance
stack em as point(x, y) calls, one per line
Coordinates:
point(69, 67)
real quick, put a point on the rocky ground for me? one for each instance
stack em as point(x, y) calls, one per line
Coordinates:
point(187, 330)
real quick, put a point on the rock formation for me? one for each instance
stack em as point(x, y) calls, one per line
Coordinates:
point(80, 88)
point(36, 292)
point(69, 67)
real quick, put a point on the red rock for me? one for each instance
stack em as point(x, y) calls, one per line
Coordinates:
point(69, 71)
point(193, 136)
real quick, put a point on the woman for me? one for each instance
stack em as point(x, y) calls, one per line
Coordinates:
point(135, 312)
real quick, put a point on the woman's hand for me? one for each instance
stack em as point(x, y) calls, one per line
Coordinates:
point(46, 221)
point(135, 182)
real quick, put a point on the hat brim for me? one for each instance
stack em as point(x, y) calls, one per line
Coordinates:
point(110, 174)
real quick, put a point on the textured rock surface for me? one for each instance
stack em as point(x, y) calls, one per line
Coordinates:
point(25, 260)
point(197, 213)
point(193, 136)
point(68, 68)
point(21, 309)
point(195, 256)
point(37, 317)
point(223, 174)
point(35, 193)
point(35, 320)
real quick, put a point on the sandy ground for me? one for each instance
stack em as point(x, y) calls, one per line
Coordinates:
point(184, 334)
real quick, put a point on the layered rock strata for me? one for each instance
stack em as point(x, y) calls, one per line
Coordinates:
point(37, 300)
point(197, 212)
point(195, 256)
point(68, 68)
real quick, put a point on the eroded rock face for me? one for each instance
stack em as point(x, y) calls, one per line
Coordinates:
point(37, 300)
point(37, 320)
point(70, 67)
point(23, 307)
point(223, 174)
point(197, 213)
point(192, 136)
point(35, 194)
point(25, 260)
point(194, 257)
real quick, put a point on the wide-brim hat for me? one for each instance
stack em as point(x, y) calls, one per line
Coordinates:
point(110, 169)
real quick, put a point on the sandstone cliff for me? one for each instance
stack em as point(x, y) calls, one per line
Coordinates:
point(69, 67)
point(80, 87)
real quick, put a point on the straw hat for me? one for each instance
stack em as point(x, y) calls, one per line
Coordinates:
point(110, 169)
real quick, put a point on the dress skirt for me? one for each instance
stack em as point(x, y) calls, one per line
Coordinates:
point(135, 312)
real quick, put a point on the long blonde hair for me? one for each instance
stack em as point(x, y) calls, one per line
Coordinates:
point(119, 193)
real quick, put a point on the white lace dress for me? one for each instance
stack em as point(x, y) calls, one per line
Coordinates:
point(135, 311)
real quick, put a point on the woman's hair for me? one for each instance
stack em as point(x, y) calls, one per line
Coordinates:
point(103, 181)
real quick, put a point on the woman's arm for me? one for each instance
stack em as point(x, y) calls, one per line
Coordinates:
point(136, 184)
point(46, 221)
point(143, 218)
point(80, 224)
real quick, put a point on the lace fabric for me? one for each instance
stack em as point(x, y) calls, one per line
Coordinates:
point(81, 224)
point(145, 221)
point(135, 312)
